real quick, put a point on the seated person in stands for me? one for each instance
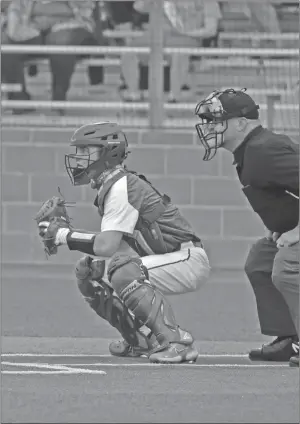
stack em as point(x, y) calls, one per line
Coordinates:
point(190, 23)
point(47, 23)
point(261, 14)
point(120, 12)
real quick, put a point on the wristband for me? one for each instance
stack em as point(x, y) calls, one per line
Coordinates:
point(83, 242)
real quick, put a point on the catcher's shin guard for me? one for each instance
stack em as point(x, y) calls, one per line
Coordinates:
point(152, 309)
point(108, 306)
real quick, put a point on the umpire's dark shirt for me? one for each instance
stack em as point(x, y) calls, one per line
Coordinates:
point(268, 166)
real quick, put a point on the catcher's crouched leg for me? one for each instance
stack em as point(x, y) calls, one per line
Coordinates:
point(129, 278)
point(107, 305)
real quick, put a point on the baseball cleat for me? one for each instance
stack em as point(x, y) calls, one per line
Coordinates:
point(122, 348)
point(176, 353)
point(280, 349)
point(294, 360)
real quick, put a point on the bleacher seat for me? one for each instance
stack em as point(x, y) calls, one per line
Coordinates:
point(236, 19)
point(288, 16)
point(237, 31)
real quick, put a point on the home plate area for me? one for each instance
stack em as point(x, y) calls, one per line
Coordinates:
point(70, 388)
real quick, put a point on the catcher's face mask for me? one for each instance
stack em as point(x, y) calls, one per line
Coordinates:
point(90, 161)
point(83, 164)
point(212, 125)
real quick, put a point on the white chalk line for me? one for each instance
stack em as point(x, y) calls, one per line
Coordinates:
point(148, 364)
point(83, 355)
point(76, 368)
point(53, 372)
point(145, 366)
point(72, 368)
point(185, 365)
point(53, 367)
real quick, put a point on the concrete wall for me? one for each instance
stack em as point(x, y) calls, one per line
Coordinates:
point(208, 193)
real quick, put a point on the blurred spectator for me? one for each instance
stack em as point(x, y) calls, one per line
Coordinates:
point(262, 15)
point(3, 7)
point(47, 23)
point(121, 12)
point(190, 23)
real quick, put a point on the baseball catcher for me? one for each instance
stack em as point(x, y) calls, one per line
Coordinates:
point(169, 257)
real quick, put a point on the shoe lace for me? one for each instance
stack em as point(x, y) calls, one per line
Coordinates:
point(295, 347)
point(279, 339)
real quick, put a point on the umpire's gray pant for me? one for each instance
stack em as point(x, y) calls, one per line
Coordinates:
point(274, 277)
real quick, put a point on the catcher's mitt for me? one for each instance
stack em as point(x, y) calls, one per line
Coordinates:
point(50, 218)
point(54, 207)
point(49, 233)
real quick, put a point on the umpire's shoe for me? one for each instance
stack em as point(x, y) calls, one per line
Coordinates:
point(280, 349)
point(294, 360)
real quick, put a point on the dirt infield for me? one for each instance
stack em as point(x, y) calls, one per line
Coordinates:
point(56, 366)
point(53, 307)
point(70, 388)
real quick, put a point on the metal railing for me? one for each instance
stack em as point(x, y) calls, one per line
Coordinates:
point(251, 57)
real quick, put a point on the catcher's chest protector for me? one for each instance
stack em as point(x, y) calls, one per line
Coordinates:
point(104, 189)
point(147, 222)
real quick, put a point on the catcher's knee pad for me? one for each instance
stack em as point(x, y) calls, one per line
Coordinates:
point(124, 269)
point(87, 267)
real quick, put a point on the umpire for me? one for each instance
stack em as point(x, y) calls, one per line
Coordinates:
point(267, 165)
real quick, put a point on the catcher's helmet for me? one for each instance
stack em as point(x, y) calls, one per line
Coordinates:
point(99, 146)
point(214, 113)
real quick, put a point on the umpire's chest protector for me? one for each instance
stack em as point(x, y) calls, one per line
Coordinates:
point(277, 208)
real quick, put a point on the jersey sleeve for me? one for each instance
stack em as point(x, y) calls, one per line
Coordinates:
point(119, 214)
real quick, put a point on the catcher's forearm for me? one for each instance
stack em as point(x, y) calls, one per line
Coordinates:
point(54, 225)
point(91, 244)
